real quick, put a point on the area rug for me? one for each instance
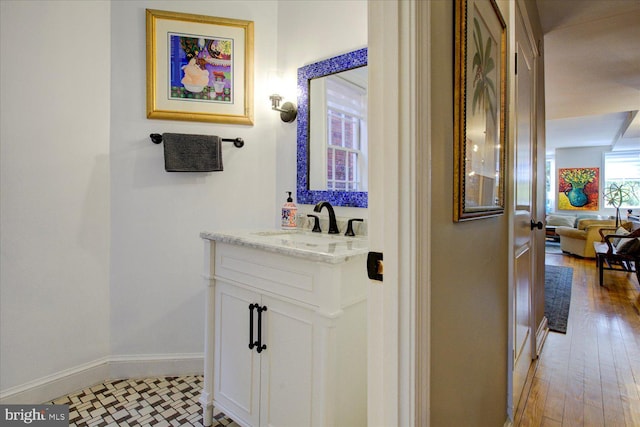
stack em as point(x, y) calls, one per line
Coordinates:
point(557, 296)
point(552, 248)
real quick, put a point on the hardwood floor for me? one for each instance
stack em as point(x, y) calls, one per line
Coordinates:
point(591, 375)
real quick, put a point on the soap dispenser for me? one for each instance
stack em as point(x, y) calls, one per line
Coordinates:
point(289, 213)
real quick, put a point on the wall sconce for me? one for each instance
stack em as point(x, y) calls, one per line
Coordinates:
point(288, 112)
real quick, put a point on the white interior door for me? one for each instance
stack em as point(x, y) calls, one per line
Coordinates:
point(524, 186)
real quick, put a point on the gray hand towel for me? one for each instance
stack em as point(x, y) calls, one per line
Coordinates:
point(192, 153)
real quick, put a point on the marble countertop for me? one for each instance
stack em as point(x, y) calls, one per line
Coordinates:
point(329, 248)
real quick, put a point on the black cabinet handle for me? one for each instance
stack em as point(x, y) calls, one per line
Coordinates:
point(259, 344)
point(251, 343)
point(256, 344)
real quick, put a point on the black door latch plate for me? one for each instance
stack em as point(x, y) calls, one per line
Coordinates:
point(374, 266)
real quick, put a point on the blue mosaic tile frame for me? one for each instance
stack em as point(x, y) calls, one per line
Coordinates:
point(347, 61)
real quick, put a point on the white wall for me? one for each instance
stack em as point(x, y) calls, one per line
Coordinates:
point(157, 292)
point(589, 157)
point(54, 187)
point(156, 289)
point(101, 255)
point(309, 31)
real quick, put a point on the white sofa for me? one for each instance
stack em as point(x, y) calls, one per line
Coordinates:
point(557, 220)
point(579, 240)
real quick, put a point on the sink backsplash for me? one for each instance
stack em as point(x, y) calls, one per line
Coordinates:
point(359, 228)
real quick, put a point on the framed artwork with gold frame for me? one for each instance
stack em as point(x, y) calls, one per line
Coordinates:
point(199, 68)
point(480, 88)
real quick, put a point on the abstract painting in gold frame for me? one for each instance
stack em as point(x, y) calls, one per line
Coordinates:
point(199, 68)
point(480, 88)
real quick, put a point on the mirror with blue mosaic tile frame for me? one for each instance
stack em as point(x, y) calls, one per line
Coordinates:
point(343, 169)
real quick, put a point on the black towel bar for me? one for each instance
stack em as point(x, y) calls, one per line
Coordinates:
point(156, 138)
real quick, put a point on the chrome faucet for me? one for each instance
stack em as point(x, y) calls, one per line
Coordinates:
point(333, 226)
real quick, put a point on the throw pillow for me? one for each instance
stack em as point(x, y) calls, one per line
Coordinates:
point(630, 247)
point(620, 232)
point(560, 220)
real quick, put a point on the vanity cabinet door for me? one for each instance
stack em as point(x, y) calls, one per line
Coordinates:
point(237, 368)
point(287, 364)
point(273, 387)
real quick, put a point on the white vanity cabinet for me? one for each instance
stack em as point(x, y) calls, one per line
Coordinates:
point(304, 318)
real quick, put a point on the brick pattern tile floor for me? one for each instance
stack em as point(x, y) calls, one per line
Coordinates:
point(159, 402)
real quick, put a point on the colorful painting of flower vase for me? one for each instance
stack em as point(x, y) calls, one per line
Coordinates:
point(578, 188)
point(200, 68)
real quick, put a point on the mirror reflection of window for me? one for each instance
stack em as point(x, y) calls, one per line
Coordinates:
point(346, 134)
point(340, 102)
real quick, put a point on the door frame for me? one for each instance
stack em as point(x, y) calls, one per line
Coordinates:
point(399, 209)
point(399, 212)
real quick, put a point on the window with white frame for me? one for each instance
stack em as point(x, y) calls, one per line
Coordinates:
point(346, 135)
point(623, 167)
point(550, 171)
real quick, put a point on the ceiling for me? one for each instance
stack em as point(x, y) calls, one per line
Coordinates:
point(592, 73)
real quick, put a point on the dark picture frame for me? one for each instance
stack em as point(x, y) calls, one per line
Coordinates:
point(480, 89)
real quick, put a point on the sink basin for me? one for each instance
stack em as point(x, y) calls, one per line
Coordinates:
point(305, 237)
point(319, 242)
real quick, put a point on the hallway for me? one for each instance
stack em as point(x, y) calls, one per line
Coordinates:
point(591, 375)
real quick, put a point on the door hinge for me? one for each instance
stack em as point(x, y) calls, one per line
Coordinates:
point(516, 67)
point(374, 266)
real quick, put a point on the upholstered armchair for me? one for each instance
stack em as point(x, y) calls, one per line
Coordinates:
point(579, 241)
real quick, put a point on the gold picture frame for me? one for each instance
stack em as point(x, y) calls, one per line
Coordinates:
point(480, 89)
point(199, 68)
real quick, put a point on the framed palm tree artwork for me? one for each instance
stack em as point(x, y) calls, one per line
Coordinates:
point(479, 110)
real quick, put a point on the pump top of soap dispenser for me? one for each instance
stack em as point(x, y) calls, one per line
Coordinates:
point(289, 199)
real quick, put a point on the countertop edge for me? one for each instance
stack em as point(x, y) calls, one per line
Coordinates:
point(242, 238)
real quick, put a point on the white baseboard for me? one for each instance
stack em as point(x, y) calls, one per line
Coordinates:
point(55, 385)
point(541, 335)
point(161, 365)
point(116, 367)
